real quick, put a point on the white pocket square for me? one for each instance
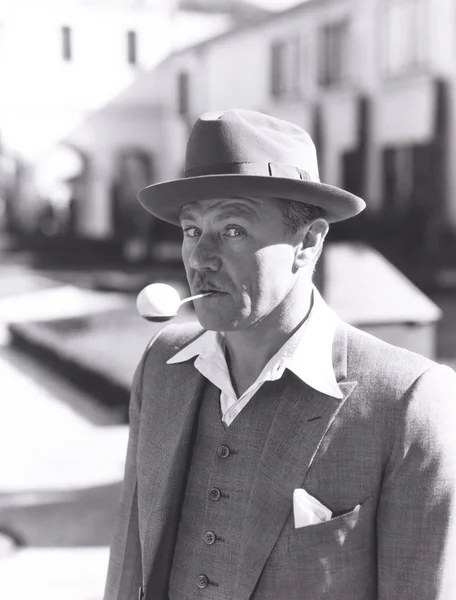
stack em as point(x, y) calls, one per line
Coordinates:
point(307, 510)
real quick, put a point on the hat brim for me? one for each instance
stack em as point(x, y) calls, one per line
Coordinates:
point(166, 199)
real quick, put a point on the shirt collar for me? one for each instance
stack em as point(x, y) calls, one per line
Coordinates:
point(308, 353)
point(311, 349)
point(205, 345)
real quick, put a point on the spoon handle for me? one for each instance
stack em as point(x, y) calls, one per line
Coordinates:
point(194, 297)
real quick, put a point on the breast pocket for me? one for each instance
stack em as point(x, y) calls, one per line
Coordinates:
point(353, 529)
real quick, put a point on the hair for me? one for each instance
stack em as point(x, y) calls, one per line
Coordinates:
point(298, 214)
point(295, 215)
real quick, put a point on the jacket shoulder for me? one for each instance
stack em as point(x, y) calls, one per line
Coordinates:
point(172, 338)
point(165, 343)
point(369, 358)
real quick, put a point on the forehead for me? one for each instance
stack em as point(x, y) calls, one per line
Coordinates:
point(229, 207)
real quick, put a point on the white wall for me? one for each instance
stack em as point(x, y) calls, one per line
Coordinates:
point(442, 16)
point(237, 72)
point(406, 112)
point(96, 101)
point(35, 79)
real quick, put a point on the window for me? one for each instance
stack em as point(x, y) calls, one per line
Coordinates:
point(67, 49)
point(405, 35)
point(132, 48)
point(333, 53)
point(285, 68)
point(183, 93)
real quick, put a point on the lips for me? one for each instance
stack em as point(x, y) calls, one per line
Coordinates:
point(210, 292)
point(208, 288)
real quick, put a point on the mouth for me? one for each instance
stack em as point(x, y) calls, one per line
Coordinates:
point(211, 292)
point(208, 290)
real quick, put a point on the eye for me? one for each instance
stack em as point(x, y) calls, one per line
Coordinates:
point(192, 232)
point(234, 231)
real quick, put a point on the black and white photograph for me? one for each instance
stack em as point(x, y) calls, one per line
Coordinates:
point(228, 299)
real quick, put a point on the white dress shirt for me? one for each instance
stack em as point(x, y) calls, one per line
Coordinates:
point(307, 353)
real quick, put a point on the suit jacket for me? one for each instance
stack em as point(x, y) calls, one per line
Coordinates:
point(389, 445)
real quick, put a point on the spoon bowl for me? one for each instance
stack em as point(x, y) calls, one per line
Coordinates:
point(159, 302)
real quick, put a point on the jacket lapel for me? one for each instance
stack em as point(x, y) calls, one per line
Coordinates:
point(168, 430)
point(302, 419)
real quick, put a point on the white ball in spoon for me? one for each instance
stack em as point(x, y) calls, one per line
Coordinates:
point(160, 302)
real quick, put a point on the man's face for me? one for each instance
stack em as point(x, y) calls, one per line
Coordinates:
point(239, 248)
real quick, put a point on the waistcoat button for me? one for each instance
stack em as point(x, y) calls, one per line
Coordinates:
point(223, 451)
point(209, 537)
point(202, 581)
point(214, 494)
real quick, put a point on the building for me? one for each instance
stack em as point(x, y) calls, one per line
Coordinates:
point(70, 118)
point(372, 80)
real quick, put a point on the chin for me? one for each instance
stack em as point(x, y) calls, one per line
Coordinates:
point(214, 321)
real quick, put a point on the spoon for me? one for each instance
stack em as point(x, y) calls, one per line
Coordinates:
point(160, 302)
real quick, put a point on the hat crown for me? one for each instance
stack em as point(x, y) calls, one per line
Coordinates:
point(246, 153)
point(243, 141)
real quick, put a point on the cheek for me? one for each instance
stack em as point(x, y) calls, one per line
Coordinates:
point(185, 254)
point(274, 274)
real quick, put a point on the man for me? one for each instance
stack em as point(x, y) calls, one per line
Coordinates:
point(276, 452)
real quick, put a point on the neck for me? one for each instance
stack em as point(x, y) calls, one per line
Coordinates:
point(249, 350)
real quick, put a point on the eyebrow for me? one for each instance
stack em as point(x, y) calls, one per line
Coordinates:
point(235, 209)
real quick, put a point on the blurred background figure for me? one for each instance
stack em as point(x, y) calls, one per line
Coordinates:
point(98, 98)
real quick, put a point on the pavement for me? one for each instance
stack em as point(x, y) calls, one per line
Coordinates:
point(65, 443)
point(59, 486)
point(54, 574)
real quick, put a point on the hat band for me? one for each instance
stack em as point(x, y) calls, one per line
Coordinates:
point(263, 169)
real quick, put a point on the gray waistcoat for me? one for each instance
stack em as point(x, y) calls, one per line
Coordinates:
point(222, 469)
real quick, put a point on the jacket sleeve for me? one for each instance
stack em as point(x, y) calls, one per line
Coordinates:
point(124, 570)
point(416, 518)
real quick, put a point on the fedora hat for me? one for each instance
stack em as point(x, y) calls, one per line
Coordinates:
point(239, 153)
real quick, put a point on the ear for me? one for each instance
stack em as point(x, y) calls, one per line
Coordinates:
point(309, 248)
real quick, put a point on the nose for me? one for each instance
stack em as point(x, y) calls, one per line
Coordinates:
point(205, 255)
